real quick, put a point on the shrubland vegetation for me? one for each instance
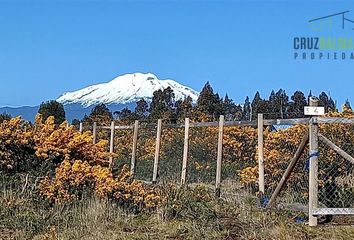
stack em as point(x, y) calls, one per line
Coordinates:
point(56, 183)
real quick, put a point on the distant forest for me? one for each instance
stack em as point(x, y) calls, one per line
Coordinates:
point(209, 107)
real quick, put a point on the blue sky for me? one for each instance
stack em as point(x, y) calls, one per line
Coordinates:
point(49, 47)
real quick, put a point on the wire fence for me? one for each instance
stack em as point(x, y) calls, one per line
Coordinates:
point(145, 153)
point(280, 145)
point(336, 165)
point(283, 144)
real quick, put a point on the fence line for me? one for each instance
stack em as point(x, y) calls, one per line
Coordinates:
point(135, 143)
point(254, 123)
point(185, 151)
point(260, 154)
point(259, 123)
point(312, 138)
point(219, 156)
point(313, 175)
point(94, 132)
point(157, 150)
point(111, 145)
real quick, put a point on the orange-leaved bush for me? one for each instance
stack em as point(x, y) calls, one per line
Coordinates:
point(55, 143)
point(15, 144)
point(72, 179)
point(280, 146)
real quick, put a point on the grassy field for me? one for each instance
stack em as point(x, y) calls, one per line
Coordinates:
point(187, 213)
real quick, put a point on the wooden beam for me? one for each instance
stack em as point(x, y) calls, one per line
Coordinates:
point(171, 125)
point(219, 157)
point(94, 132)
point(205, 124)
point(135, 143)
point(335, 120)
point(294, 121)
point(80, 128)
point(289, 169)
point(336, 148)
point(214, 124)
point(240, 123)
point(260, 154)
point(157, 151)
point(117, 127)
point(253, 123)
point(111, 145)
point(297, 207)
point(333, 211)
point(124, 127)
point(313, 172)
point(185, 151)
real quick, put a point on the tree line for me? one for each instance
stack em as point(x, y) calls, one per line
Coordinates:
point(208, 107)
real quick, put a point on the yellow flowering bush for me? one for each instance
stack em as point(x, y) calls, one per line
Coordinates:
point(15, 145)
point(239, 144)
point(24, 147)
point(76, 165)
point(57, 142)
point(280, 146)
point(72, 179)
point(249, 175)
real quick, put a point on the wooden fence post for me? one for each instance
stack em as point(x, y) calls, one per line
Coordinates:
point(185, 151)
point(260, 154)
point(336, 148)
point(94, 132)
point(111, 145)
point(313, 171)
point(289, 169)
point(219, 157)
point(135, 141)
point(80, 128)
point(157, 151)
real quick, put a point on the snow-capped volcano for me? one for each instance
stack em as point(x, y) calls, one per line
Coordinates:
point(125, 89)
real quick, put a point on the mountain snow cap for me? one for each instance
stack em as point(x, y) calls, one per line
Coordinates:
point(124, 89)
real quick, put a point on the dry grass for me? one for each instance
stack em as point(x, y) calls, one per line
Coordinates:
point(235, 217)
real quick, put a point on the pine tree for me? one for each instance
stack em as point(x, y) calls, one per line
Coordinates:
point(100, 114)
point(296, 107)
point(272, 102)
point(162, 104)
point(246, 112)
point(332, 105)
point(52, 108)
point(326, 102)
point(308, 97)
point(178, 109)
point(231, 110)
point(125, 115)
point(141, 109)
point(184, 108)
point(101, 110)
point(208, 102)
point(282, 102)
point(278, 104)
point(187, 106)
point(4, 116)
point(258, 105)
point(347, 105)
point(75, 122)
